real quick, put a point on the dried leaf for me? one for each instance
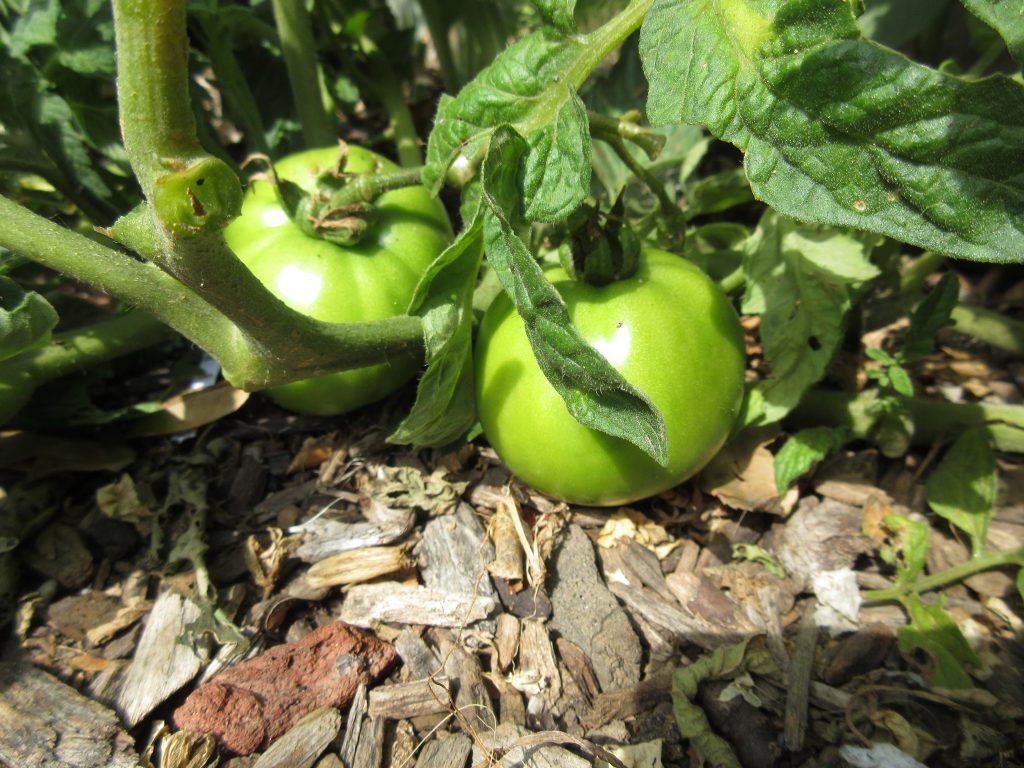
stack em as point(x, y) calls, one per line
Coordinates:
point(190, 411)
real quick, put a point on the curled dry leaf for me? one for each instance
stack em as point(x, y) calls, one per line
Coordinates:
point(358, 566)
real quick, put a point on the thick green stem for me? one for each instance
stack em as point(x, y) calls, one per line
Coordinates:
point(604, 127)
point(75, 350)
point(606, 38)
point(913, 276)
point(991, 327)
point(983, 562)
point(933, 420)
point(295, 28)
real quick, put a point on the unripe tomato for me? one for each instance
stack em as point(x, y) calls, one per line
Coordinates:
point(371, 280)
point(668, 330)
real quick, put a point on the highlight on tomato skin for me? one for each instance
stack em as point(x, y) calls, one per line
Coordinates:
point(669, 330)
point(373, 279)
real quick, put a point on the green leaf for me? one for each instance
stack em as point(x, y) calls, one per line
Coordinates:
point(719, 192)
point(840, 130)
point(595, 393)
point(36, 27)
point(934, 632)
point(911, 546)
point(26, 319)
point(558, 13)
point(930, 317)
point(900, 380)
point(801, 279)
point(532, 87)
point(896, 22)
point(1007, 18)
point(445, 408)
point(1020, 583)
point(805, 449)
point(962, 489)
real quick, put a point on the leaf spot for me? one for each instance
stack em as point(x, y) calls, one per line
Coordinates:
point(860, 206)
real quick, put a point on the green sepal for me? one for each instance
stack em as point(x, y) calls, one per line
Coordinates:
point(26, 319)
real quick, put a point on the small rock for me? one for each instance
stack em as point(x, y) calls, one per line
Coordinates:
point(253, 703)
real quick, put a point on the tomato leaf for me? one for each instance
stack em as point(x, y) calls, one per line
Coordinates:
point(840, 130)
point(805, 449)
point(444, 407)
point(962, 489)
point(934, 632)
point(801, 280)
point(930, 317)
point(558, 13)
point(911, 546)
point(26, 319)
point(595, 393)
point(526, 87)
point(1006, 18)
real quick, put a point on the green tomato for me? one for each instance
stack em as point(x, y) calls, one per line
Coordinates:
point(371, 280)
point(668, 330)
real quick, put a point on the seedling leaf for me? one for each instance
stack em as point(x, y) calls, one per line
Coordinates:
point(805, 449)
point(595, 393)
point(930, 317)
point(842, 131)
point(934, 632)
point(26, 319)
point(962, 489)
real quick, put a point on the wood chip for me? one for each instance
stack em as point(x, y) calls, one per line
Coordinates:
point(357, 566)
point(418, 661)
point(395, 603)
point(798, 681)
point(324, 536)
point(417, 698)
point(162, 663)
point(45, 723)
point(455, 553)
point(537, 661)
point(451, 752)
point(508, 551)
point(354, 720)
point(506, 640)
point(304, 741)
point(630, 701)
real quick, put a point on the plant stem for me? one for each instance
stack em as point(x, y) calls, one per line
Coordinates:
point(933, 420)
point(367, 187)
point(608, 37)
point(217, 43)
point(75, 350)
point(913, 276)
point(991, 327)
point(389, 90)
point(983, 562)
point(733, 281)
point(434, 14)
point(295, 28)
point(603, 126)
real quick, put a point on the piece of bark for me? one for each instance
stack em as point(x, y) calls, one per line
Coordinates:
point(511, 707)
point(821, 536)
point(323, 536)
point(395, 603)
point(637, 564)
point(454, 554)
point(537, 657)
point(462, 668)
point(670, 617)
point(354, 720)
point(579, 666)
point(712, 608)
point(508, 549)
point(506, 640)
point(357, 566)
point(525, 603)
point(162, 663)
point(250, 705)
point(798, 681)
point(534, 754)
point(408, 700)
point(856, 654)
point(302, 744)
point(628, 702)
point(451, 752)
point(418, 661)
point(45, 723)
point(370, 749)
point(585, 612)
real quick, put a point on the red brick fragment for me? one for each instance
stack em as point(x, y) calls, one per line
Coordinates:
point(256, 701)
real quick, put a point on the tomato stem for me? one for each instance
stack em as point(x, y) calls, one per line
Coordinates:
point(983, 562)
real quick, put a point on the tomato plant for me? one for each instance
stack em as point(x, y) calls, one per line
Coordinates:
point(372, 279)
point(686, 354)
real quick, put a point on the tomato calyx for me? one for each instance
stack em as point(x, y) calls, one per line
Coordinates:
point(602, 248)
point(340, 206)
